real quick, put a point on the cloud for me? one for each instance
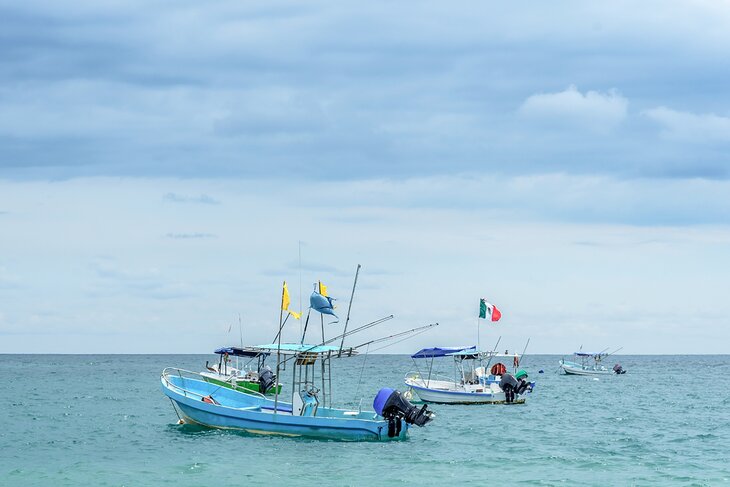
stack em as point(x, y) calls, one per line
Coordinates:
point(202, 199)
point(186, 236)
point(691, 127)
point(594, 110)
point(114, 280)
point(8, 281)
point(360, 91)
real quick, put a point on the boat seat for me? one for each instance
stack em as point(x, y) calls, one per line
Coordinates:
point(309, 406)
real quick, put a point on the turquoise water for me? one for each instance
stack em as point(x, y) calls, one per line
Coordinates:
point(102, 421)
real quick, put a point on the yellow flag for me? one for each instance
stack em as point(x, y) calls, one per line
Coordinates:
point(285, 301)
point(322, 289)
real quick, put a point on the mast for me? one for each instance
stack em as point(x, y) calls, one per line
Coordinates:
point(278, 350)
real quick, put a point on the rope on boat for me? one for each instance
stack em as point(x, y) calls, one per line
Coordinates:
point(365, 359)
point(179, 419)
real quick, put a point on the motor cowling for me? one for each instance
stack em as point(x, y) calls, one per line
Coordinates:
point(618, 369)
point(391, 404)
point(267, 379)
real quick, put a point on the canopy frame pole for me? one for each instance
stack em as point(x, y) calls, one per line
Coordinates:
point(278, 350)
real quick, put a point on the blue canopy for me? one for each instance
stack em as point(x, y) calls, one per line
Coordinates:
point(444, 351)
point(240, 352)
point(585, 354)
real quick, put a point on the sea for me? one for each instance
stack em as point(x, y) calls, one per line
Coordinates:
point(102, 420)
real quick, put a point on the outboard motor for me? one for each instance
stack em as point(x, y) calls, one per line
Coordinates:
point(618, 369)
point(267, 379)
point(391, 405)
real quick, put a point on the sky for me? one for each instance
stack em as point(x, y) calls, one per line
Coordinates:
point(163, 165)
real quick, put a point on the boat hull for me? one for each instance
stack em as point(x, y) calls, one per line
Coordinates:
point(443, 396)
point(576, 369)
point(255, 414)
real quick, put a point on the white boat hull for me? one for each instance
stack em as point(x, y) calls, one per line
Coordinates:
point(574, 369)
point(443, 392)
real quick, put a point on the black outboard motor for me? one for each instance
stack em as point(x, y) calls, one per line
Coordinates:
point(267, 379)
point(508, 384)
point(618, 369)
point(391, 405)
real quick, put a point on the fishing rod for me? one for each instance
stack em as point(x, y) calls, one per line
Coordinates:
point(349, 307)
point(401, 340)
point(617, 350)
point(396, 335)
point(519, 360)
point(361, 328)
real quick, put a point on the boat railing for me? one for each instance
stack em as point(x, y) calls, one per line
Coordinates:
point(416, 376)
point(187, 374)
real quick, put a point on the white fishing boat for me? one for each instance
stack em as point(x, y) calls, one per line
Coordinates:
point(590, 364)
point(480, 377)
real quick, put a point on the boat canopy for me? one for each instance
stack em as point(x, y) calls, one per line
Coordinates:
point(240, 352)
point(585, 354)
point(444, 351)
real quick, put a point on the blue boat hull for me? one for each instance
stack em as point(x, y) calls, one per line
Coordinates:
point(255, 414)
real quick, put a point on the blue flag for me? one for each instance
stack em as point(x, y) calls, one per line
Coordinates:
point(323, 304)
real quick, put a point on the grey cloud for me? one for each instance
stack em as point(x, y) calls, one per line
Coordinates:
point(352, 91)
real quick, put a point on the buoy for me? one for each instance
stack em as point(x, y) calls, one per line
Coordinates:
point(180, 421)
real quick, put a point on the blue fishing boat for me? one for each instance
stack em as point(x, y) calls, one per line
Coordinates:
point(201, 402)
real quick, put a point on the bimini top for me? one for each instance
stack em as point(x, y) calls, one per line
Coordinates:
point(295, 348)
point(445, 351)
point(240, 352)
point(585, 354)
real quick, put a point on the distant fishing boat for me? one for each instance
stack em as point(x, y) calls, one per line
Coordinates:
point(590, 364)
point(474, 381)
point(237, 376)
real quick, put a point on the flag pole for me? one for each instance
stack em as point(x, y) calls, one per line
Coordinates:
point(479, 333)
point(278, 350)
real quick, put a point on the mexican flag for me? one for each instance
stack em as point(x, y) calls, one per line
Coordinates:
point(488, 308)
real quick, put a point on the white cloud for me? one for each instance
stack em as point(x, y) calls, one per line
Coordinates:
point(691, 127)
point(594, 110)
point(93, 261)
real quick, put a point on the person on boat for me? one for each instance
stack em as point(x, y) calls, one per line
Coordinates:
point(508, 384)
